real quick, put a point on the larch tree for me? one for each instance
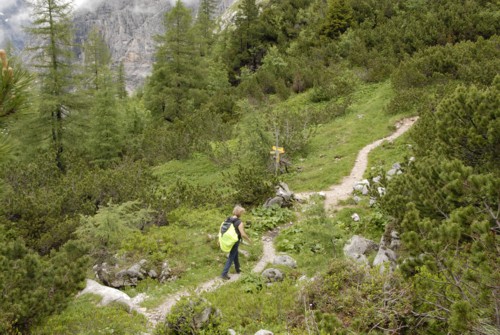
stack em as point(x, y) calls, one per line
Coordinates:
point(205, 26)
point(176, 84)
point(52, 31)
point(97, 60)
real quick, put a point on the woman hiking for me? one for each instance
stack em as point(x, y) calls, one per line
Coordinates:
point(240, 230)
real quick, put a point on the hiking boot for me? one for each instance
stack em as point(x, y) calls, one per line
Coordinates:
point(238, 271)
point(225, 277)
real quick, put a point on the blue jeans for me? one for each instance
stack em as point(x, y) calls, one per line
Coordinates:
point(233, 257)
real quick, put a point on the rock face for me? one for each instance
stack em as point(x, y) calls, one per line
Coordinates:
point(128, 27)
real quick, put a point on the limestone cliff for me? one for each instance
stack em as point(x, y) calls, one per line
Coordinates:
point(128, 27)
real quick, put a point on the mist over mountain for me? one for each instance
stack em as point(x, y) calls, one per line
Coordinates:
point(128, 27)
point(13, 15)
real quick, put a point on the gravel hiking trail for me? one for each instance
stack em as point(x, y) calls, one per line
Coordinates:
point(333, 195)
point(343, 191)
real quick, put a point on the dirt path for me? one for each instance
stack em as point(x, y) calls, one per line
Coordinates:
point(332, 196)
point(343, 191)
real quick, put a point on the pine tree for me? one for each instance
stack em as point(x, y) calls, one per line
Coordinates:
point(446, 207)
point(14, 87)
point(176, 84)
point(105, 132)
point(205, 26)
point(97, 60)
point(245, 46)
point(52, 30)
point(338, 18)
point(120, 82)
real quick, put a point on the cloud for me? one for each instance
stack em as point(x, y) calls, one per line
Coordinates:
point(4, 4)
point(186, 2)
point(86, 4)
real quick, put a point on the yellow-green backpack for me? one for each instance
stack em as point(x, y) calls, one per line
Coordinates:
point(227, 236)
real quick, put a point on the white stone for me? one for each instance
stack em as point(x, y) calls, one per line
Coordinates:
point(108, 294)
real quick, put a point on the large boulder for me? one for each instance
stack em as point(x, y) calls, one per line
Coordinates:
point(108, 294)
point(362, 186)
point(357, 247)
point(119, 276)
point(283, 197)
point(385, 255)
point(285, 260)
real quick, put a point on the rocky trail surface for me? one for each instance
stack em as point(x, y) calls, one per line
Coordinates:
point(333, 195)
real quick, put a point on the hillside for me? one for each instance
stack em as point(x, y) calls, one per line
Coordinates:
point(361, 138)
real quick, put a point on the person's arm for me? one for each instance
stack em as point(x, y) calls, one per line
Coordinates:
point(243, 233)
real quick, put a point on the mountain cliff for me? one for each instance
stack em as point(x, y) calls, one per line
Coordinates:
point(128, 27)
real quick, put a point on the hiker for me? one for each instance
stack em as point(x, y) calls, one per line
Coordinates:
point(240, 230)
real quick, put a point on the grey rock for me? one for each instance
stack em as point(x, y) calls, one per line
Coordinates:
point(231, 332)
point(284, 191)
point(365, 190)
point(381, 191)
point(272, 275)
point(355, 217)
point(392, 172)
point(385, 255)
point(357, 247)
point(108, 294)
point(373, 201)
point(276, 201)
point(166, 273)
point(396, 166)
point(376, 179)
point(202, 318)
point(395, 240)
point(361, 185)
point(285, 260)
point(264, 332)
point(152, 274)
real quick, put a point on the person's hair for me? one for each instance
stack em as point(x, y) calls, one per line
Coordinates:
point(238, 210)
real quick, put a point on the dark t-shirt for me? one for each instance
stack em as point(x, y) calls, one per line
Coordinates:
point(236, 223)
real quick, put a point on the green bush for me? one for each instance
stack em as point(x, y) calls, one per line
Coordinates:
point(83, 316)
point(104, 232)
point(250, 185)
point(33, 286)
point(353, 298)
point(184, 319)
point(265, 219)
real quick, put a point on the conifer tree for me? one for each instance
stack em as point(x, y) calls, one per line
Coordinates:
point(105, 131)
point(338, 18)
point(97, 59)
point(205, 25)
point(120, 82)
point(245, 47)
point(52, 29)
point(176, 84)
point(14, 85)
point(446, 207)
